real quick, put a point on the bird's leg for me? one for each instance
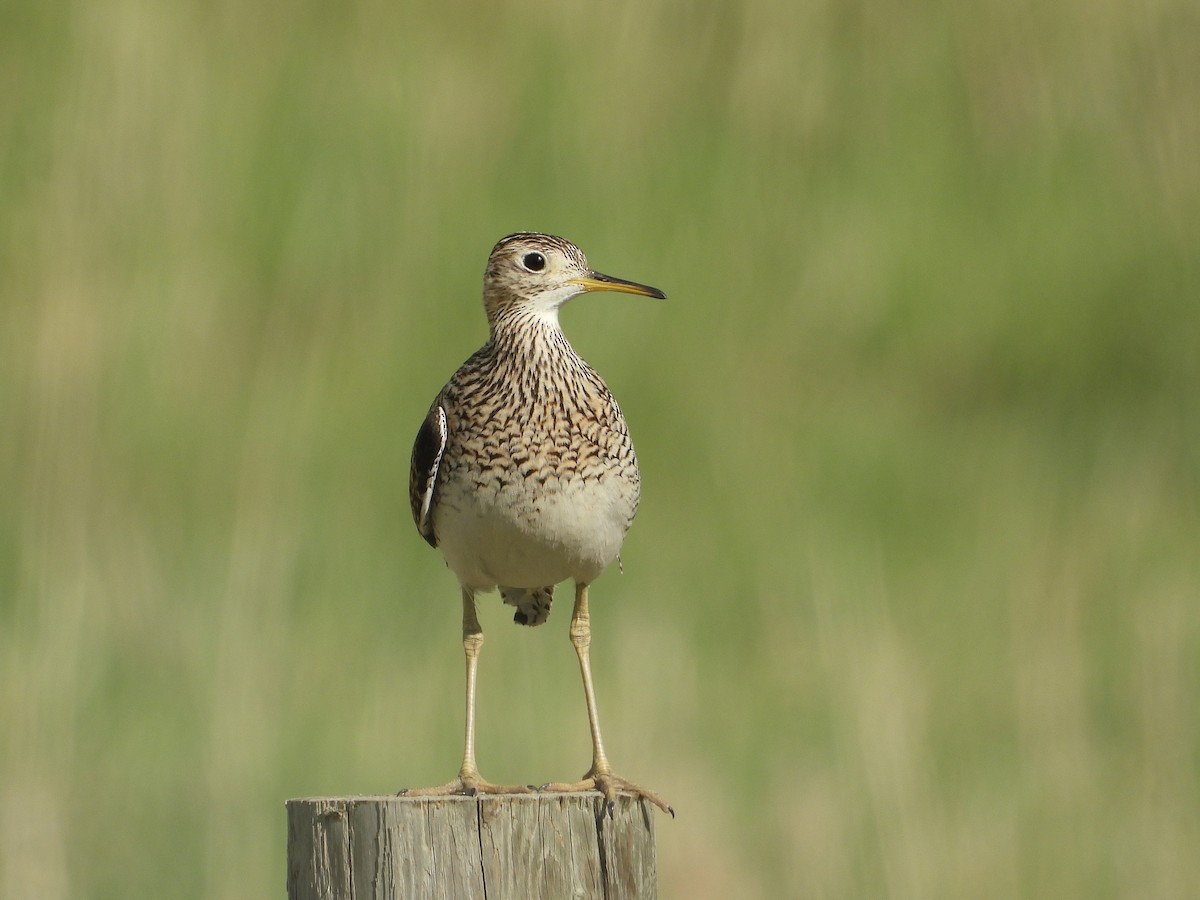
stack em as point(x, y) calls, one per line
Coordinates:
point(581, 638)
point(600, 776)
point(468, 773)
point(469, 781)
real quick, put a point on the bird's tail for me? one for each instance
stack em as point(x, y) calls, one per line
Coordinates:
point(533, 604)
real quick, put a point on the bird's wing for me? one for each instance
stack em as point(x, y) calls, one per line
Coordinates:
point(422, 476)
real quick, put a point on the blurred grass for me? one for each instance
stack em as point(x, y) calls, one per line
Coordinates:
point(915, 576)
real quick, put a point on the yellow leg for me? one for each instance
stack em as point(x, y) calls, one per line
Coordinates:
point(469, 781)
point(472, 644)
point(600, 776)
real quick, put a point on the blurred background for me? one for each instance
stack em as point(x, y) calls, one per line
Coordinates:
point(910, 608)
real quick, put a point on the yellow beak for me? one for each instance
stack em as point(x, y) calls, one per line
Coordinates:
point(598, 282)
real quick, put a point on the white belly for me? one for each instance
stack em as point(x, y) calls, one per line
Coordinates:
point(513, 538)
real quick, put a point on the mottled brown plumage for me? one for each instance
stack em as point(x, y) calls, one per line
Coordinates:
point(523, 473)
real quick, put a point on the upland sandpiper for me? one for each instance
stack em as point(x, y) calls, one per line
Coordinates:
point(523, 473)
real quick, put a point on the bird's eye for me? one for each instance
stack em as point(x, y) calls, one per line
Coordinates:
point(534, 262)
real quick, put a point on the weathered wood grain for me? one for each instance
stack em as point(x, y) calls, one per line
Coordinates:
point(523, 846)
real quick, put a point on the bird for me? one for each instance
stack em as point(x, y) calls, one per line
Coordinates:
point(523, 475)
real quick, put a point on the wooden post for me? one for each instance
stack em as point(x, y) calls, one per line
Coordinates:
point(519, 846)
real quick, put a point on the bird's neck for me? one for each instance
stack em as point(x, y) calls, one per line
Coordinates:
point(528, 331)
point(531, 348)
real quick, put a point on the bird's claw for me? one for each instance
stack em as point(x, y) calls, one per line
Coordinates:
point(469, 786)
point(608, 785)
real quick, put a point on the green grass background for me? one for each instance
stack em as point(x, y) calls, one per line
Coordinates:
point(911, 607)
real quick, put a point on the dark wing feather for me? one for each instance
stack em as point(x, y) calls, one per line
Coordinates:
point(422, 476)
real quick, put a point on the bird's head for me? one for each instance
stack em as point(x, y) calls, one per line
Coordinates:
point(530, 273)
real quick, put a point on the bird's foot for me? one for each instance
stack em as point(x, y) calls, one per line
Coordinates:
point(609, 785)
point(467, 784)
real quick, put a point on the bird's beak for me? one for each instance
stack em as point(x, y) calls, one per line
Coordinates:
point(597, 282)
